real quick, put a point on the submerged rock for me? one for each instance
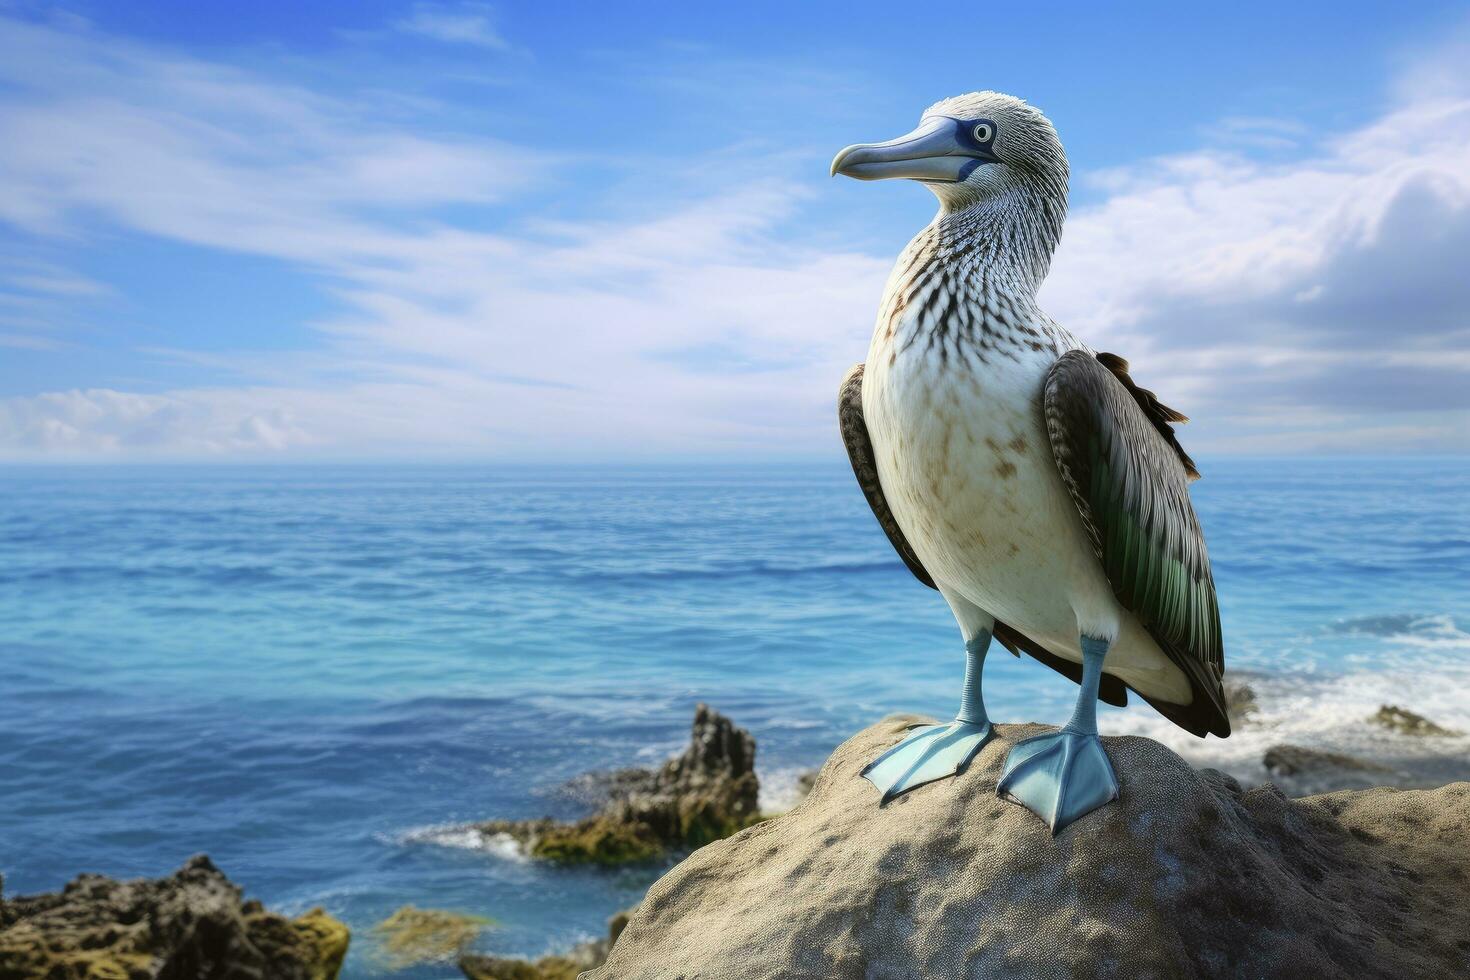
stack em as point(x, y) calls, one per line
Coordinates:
point(1406, 722)
point(1299, 770)
point(191, 925)
point(562, 966)
point(706, 793)
point(1361, 759)
point(1296, 760)
point(1187, 875)
point(412, 935)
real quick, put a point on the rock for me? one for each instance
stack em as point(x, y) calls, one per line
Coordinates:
point(1240, 700)
point(611, 836)
point(600, 788)
point(189, 926)
point(1363, 757)
point(584, 956)
point(706, 793)
point(1292, 760)
point(1299, 770)
point(1187, 875)
point(412, 935)
point(616, 925)
point(314, 939)
point(1406, 722)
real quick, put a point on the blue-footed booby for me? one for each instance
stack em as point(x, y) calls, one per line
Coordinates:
point(1025, 477)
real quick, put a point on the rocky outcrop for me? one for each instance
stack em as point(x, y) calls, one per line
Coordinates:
point(1406, 722)
point(1396, 747)
point(191, 925)
point(1300, 770)
point(1187, 875)
point(706, 793)
point(562, 966)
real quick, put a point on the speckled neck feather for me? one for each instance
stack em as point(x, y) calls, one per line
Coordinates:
point(973, 274)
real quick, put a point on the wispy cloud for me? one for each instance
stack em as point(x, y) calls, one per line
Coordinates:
point(454, 23)
point(1306, 304)
point(450, 337)
point(213, 156)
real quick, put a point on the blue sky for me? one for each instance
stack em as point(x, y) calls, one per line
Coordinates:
point(563, 231)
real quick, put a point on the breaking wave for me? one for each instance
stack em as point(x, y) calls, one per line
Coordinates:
point(1333, 713)
point(462, 837)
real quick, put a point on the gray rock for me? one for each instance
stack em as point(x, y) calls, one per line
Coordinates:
point(1240, 700)
point(1187, 875)
point(1299, 770)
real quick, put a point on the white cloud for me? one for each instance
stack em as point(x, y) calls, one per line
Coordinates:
point(1311, 304)
point(1329, 282)
point(103, 422)
point(583, 336)
point(454, 23)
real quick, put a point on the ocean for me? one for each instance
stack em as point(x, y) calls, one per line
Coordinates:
point(314, 674)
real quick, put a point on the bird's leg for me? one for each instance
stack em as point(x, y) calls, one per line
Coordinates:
point(972, 698)
point(936, 751)
point(1084, 713)
point(1062, 775)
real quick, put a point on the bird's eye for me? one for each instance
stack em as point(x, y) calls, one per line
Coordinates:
point(983, 131)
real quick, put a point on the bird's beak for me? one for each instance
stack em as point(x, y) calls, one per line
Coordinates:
point(935, 152)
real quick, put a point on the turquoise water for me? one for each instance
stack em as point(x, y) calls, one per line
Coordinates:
point(311, 673)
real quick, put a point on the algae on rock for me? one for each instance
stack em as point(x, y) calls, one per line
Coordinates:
point(558, 966)
point(191, 924)
point(704, 794)
point(1407, 722)
point(413, 935)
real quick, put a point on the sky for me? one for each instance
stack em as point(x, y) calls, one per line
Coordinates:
point(599, 232)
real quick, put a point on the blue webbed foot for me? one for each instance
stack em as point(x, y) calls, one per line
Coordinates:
point(928, 753)
point(1059, 776)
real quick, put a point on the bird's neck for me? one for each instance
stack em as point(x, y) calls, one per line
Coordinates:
point(1006, 239)
point(969, 279)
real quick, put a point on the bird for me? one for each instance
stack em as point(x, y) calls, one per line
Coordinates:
point(1026, 477)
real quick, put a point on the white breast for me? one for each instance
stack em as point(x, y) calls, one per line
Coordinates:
point(966, 466)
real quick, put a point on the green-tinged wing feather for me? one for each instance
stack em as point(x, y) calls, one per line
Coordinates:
point(1130, 481)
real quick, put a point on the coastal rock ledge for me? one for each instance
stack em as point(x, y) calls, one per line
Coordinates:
point(1187, 875)
point(707, 792)
point(191, 925)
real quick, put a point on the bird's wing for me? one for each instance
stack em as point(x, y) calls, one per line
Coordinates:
point(1130, 482)
point(860, 453)
point(1160, 416)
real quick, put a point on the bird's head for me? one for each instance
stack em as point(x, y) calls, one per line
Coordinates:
point(969, 149)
